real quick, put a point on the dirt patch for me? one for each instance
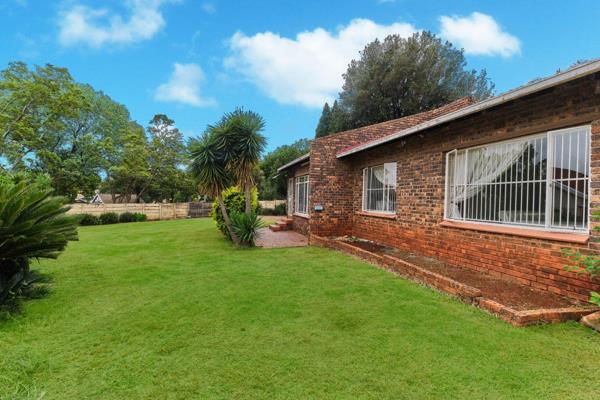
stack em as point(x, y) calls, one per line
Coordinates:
point(506, 292)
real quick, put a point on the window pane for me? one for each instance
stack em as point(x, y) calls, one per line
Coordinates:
point(569, 179)
point(379, 191)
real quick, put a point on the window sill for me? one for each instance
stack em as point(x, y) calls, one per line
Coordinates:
point(301, 215)
point(570, 237)
point(376, 214)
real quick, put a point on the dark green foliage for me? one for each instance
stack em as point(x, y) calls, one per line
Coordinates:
point(586, 263)
point(139, 217)
point(280, 209)
point(324, 121)
point(109, 218)
point(126, 217)
point(400, 77)
point(89, 219)
point(235, 203)
point(246, 226)
point(273, 185)
point(33, 224)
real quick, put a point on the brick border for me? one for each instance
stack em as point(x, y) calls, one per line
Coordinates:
point(465, 293)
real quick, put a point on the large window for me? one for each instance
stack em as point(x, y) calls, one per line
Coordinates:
point(301, 203)
point(537, 181)
point(379, 188)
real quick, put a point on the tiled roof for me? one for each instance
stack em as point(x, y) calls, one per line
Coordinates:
point(382, 129)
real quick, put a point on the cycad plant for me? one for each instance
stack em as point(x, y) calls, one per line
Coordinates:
point(243, 128)
point(33, 224)
point(209, 166)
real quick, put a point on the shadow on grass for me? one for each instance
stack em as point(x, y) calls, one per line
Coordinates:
point(38, 288)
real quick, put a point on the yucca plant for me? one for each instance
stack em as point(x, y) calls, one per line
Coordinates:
point(246, 226)
point(33, 224)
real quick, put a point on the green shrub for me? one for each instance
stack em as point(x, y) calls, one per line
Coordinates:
point(234, 203)
point(266, 211)
point(126, 217)
point(33, 224)
point(140, 217)
point(246, 226)
point(109, 218)
point(88, 219)
point(585, 263)
point(280, 209)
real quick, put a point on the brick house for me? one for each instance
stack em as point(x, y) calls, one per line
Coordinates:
point(501, 185)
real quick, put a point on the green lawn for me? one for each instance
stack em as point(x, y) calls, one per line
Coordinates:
point(170, 310)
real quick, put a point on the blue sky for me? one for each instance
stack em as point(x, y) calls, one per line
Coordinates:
point(195, 59)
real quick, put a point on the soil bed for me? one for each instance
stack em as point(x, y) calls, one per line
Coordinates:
point(504, 291)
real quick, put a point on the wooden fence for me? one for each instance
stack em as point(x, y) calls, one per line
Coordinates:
point(157, 211)
point(270, 203)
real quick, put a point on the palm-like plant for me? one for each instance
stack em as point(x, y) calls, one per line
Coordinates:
point(209, 166)
point(245, 143)
point(33, 224)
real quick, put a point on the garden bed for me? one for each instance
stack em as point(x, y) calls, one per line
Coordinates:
point(513, 302)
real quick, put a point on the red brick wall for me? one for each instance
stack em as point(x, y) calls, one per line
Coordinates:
point(331, 179)
point(300, 223)
point(337, 184)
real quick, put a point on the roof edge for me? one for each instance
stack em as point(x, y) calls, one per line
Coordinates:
point(546, 83)
point(294, 162)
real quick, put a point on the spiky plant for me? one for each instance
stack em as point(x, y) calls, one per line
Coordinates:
point(246, 226)
point(245, 143)
point(209, 166)
point(33, 224)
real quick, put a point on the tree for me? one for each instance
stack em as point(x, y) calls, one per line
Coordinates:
point(242, 132)
point(273, 184)
point(209, 167)
point(400, 77)
point(323, 125)
point(166, 152)
point(52, 125)
point(131, 174)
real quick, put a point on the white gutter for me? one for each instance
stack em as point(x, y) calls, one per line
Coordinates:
point(294, 162)
point(560, 78)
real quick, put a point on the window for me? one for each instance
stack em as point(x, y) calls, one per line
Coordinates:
point(301, 203)
point(538, 181)
point(379, 188)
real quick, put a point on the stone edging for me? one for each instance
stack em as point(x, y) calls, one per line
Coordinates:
point(466, 293)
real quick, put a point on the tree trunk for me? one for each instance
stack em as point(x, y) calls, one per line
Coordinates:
point(248, 197)
point(228, 224)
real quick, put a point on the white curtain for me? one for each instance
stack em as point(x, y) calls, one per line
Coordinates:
point(486, 164)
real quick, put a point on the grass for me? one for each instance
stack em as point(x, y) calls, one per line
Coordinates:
point(169, 310)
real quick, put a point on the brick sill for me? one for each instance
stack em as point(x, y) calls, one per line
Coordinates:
point(569, 237)
point(376, 215)
point(305, 216)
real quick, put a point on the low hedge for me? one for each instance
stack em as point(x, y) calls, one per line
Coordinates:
point(111, 218)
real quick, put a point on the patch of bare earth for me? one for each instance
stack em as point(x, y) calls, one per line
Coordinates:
point(504, 291)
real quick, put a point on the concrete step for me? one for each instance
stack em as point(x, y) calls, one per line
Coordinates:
point(275, 228)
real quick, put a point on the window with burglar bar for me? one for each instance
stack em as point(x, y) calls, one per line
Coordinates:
point(301, 203)
point(538, 181)
point(379, 188)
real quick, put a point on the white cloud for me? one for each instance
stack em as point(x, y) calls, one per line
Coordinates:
point(307, 69)
point(184, 87)
point(479, 34)
point(96, 27)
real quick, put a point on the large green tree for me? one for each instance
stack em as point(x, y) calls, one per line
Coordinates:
point(52, 125)
point(398, 77)
point(273, 185)
point(166, 159)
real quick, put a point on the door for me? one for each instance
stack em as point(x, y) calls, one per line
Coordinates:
point(290, 197)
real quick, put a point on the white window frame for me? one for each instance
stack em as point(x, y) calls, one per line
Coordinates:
point(297, 184)
point(549, 181)
point(385, 196)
